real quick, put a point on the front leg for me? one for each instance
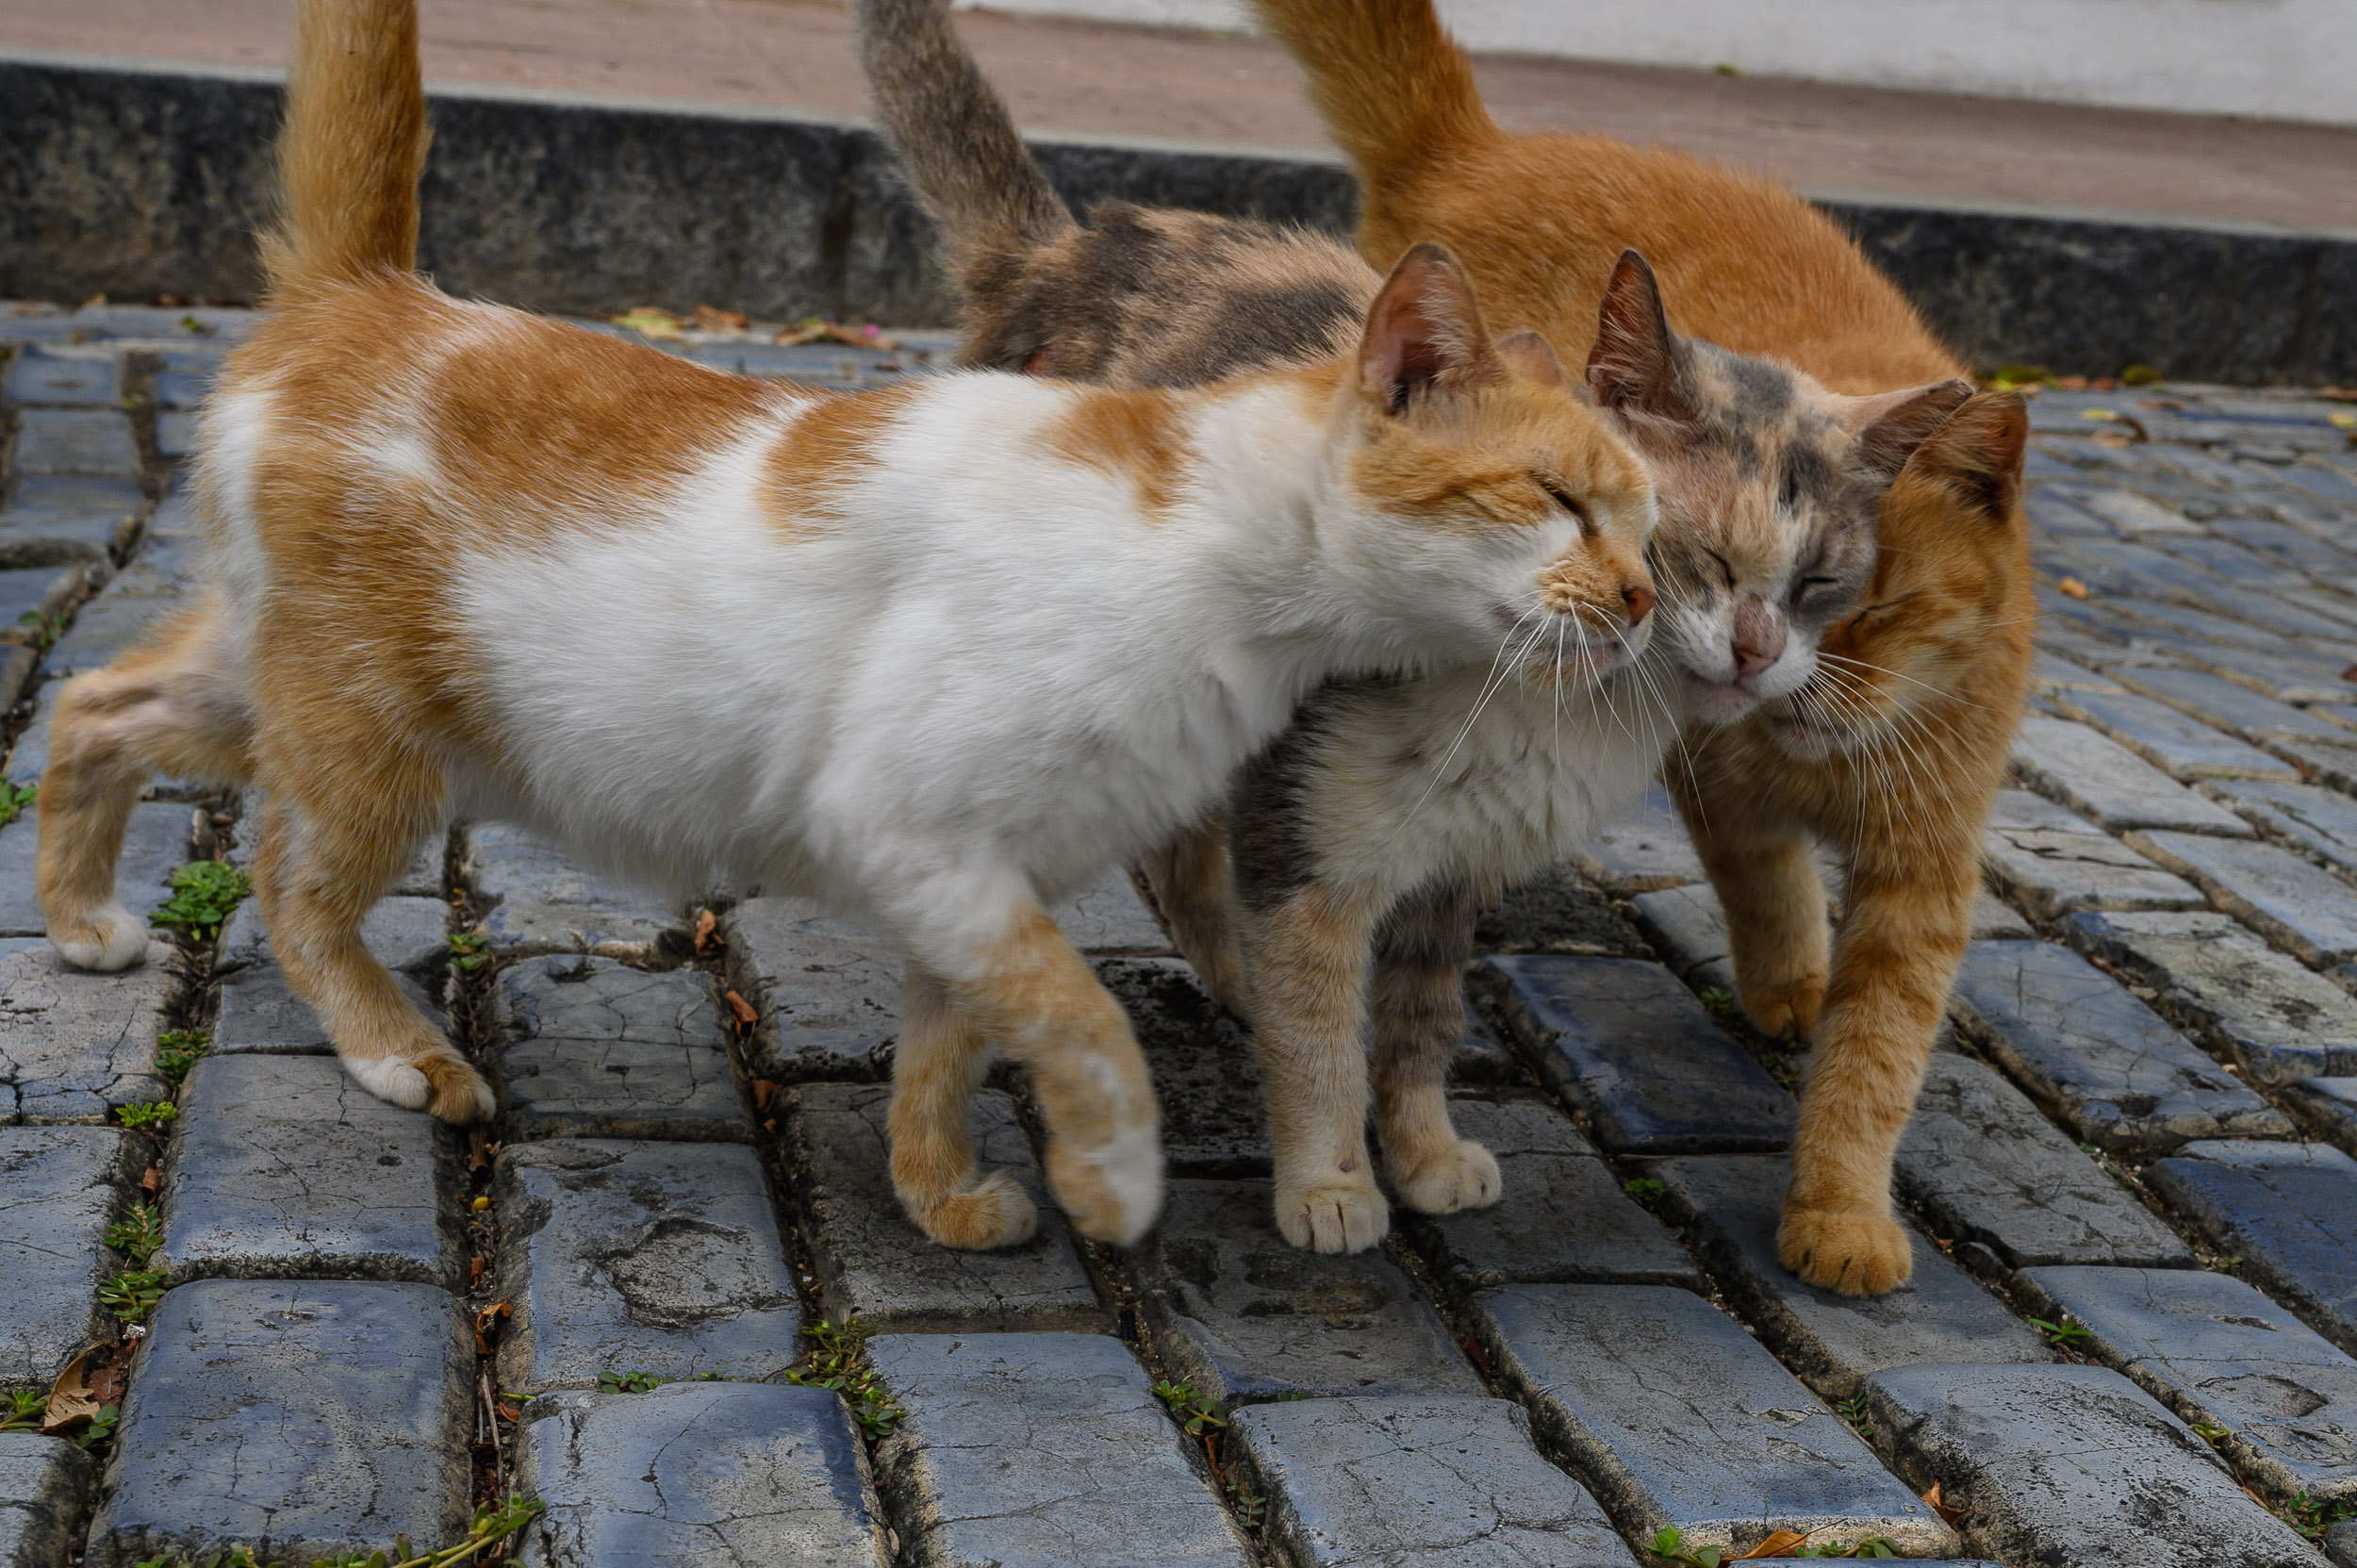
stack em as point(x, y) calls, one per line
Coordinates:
point(1904, 930)
point(935, 1071)
point(1420, 955)
point(1193, 894)
point(1774, 901)
point(1306, 960)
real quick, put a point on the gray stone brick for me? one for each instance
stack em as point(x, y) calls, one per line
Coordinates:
point(1556, 911)
point(260, 1013)
point(623, 1257)
point(1989, 1172)
point(2220, 1353)
point(1655, 1074)
point(282, 1167)
point(540, 902)
point(2321, 821)
point(2052, 862)
point(1242, 1315)
point(2330, 1105)
point(2101, 779)
point(1393, 1483)
point(45, 1483)
point(2270, 674)
point(2131, 513)
point(29, 593)
point(2278, 1020)
point(2068, 1464)
point(305, 1418)
point(2324, 762)
point(1733, 1203)
point(1645, 850)
point(699, 1476)
point(2176, 743)
point(2051, 673)
point(594, 1049)
point(2284, 1209)
point(1087, 1468)
point(2246, 567)
point(828, 991)
point(873, 1261)
point(1675, 1416)
point(1110, 917)
point(58, 1189)
point(1202, 1064)
point(67, 377)
point(75, 1045)
point(154, 845)
point(54, 537)
point(2234, 709)
point(16, 668)
point(2309, 911)
point(408, 935)
point(2340, 1545)
point(1562, 1217)
point(77, 441)
point(78, 492)
point(2289, 544)
point(176, 435)
point(2107, 1062)
point(104, 628)
point(1688, 931)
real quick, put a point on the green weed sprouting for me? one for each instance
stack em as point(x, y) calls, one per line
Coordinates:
point(492, 1526)
point(136, 1235)
point(466, 950)
point(14, 798)
point(177, 1050)
point(139, 1117)
point(205, 893)
point(133, 1294)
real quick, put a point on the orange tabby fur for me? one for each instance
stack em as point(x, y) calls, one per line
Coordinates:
point(1922, 687)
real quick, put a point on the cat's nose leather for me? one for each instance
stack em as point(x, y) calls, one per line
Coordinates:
point(1759, 636)
point(1640, 602)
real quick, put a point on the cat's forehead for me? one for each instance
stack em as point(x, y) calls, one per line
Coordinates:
point(1771, 423)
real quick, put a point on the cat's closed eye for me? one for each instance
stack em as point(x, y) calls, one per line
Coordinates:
point(1570, 504)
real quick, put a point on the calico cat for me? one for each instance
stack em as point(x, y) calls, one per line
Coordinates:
point(938, 655)
point(1891, 753)
point(1367, 838)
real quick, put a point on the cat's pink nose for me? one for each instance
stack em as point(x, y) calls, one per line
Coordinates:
point(1638, 599)
point(1759, 638)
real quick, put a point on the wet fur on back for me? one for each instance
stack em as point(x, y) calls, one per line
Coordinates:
point(1367, 836)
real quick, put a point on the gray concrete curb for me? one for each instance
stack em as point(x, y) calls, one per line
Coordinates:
point(134, 180)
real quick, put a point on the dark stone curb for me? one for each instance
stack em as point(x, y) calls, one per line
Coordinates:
point(132, 180)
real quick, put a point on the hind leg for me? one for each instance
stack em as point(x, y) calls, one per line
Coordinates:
point(1420, 957)
point(176, 705)
point(937, 1069)
point(1192, 889)
point(324, 861)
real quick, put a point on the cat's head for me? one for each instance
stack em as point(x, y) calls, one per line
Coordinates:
point(1496, 505)
point(1768, 486)
point(1947, 591)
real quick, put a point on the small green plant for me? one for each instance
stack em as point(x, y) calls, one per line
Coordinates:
point(43, 629)
point(1861, 1420)
point(177, 1050)
point(2312, 1516)
point(137, 1233)
point(1669, 1543)
point(628, 1383)
point(2066, 1333)
point(101, 1429)
point(492, 1526)
point(1199, 1416)
point(2211, 1433)
point(132, 1293)
point(837, 1360)
point(139, 1117)
point(25, 1409)
point(466, 950)
point(14, 798)
point(1645, 1189)
point(1251, 1509)
point(204, 893)
point(1721, 1002)
point(2096, 1149)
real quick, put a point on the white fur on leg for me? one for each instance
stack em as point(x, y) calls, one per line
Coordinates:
point(118, 940)
point(1131, 1164)
point(390, 1078)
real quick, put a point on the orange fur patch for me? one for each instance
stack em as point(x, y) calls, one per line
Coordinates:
point(1138, 437)
point(827, 444)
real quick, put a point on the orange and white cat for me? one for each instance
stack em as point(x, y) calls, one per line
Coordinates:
point(937, 655)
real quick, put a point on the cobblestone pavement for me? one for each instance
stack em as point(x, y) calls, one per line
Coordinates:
point(2129, 1338)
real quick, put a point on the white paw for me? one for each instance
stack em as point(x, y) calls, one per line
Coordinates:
point(1342, 1214)
point(1464, 1178)
point(1132, 1168)
point(113, 938)
point(390, 1078)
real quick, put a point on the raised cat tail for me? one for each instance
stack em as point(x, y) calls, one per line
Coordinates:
point(1391, 84)
point(354, 144)
point(953, 134)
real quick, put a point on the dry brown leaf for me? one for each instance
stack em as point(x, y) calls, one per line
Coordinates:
point(2070, 588)
point(816, 331)
point(711, 319)
point(154, 1175)
point(648, 322)
point(1779, 1544)
point(706, 923)
point(742, 1011)
point(763, 1092)
point(71, 1398)
point(1948, 1513)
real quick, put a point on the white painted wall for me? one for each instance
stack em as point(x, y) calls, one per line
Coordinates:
point(2291, 59)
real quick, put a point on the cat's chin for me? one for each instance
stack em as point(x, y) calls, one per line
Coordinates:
point(1804, 739)
point(1720, 702)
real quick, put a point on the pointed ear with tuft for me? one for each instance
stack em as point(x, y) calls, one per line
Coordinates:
point(1425, 332)
point(1532, 357)
point(1891, 425)
point(1634, 365)
point(1978, 451)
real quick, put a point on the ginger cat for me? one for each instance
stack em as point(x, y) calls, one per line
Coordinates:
point(1892, 753)
point(938, 655)
point(1367, 838)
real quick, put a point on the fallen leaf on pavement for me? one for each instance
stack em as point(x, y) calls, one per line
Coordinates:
point(706, 922)
point(1948, 1513)
point(710, 319)
point(2070, 588)
point(743, 1011)
point(649, 323)
point(1778, 1545)
point(764, 1091)
point(72, 1401)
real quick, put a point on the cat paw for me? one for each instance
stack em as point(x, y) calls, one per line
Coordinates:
point(1855, 1251)
point(1464, 1176)
point(1114, 1191)
point(109, 938)
point(392, 1080)
point(1787, 1012)
point(459, 1095)
point(1339, 1215)
point(995, 1212)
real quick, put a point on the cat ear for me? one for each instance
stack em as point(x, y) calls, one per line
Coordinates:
point(1532, 357)
point(1979, 449)
point(1891, 425)
point(1635, 362)
point(1423, 332)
